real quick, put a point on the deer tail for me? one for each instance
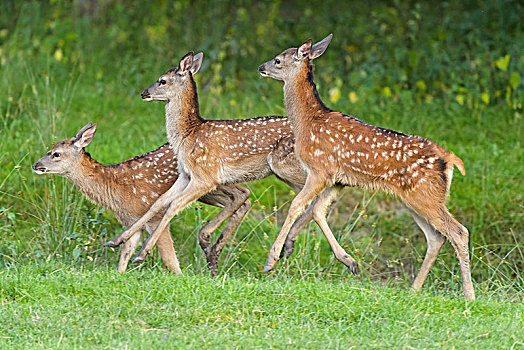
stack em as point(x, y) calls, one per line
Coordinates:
point(453, 159)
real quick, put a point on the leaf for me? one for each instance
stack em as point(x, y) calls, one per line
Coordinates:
point(460, 99)
point(58, 55)
point(514, 80)
point(334, 94)
point(421, 85)
point(503, 62)
point(485, 97)
point(386, 91)
point(353, 97)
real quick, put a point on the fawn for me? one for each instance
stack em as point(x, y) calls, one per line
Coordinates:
point(340, 150)
point(128, 189)
point(214, 152)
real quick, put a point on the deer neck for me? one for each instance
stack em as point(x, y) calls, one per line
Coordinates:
point(96, 182)
point(301, 98)
point(183, 115)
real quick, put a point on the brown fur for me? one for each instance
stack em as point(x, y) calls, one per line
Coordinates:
point(218, 152)
point(338, 149)
point(129, 188)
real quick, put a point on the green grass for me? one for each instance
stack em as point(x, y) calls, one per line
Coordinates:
point(56, 306)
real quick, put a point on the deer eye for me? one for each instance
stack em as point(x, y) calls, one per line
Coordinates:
point(277, 61)
point(162, 82)
point(55, 155)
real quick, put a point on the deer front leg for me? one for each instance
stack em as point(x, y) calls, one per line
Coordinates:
point(159, 204)
point(128, 249)
point(193, 191)
point(167, 251)
point(312, 188)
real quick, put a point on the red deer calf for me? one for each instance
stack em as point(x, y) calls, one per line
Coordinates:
point(215, 152)
point(340, 150)
point(129, 188)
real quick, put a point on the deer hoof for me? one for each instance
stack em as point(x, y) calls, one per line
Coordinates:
point(353, 266)
point(111, 244)
point(289, 251)
point(138, 260)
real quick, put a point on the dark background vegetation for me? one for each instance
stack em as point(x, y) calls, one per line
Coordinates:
point(451, 71)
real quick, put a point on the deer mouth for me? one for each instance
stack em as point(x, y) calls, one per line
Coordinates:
point(146, 96)
point(38, 169)
point(262, 71)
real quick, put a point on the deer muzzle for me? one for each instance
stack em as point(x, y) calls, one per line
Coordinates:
point(38, 168)
point(146, 95)
point(262, 70)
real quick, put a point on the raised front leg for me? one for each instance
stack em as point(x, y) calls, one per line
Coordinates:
point(162, 201)
point(311, 189)
point(194, 190)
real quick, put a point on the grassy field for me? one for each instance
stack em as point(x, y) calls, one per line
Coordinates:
point(56, 306)
point(456, 78)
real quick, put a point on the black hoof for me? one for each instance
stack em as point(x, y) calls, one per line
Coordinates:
point(138, 260)
point(110, 244)
point(354, 268)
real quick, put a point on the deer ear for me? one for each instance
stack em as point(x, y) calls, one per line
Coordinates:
point(304, 50)
point(197, 62)
point(85, 135)
point(319, 48)
point(185, 63)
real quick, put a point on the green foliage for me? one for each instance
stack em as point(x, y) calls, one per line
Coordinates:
point(451, 71)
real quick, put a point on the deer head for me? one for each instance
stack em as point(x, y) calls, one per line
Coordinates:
point(65, 155)
point(288, 64)
point(173, 82)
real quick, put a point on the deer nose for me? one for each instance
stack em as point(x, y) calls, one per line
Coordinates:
point(145, 94)
point(35, 165)
point(261, 68)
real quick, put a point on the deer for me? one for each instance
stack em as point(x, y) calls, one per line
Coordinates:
point(219, 152)
point(340, 150)
point(128, 189)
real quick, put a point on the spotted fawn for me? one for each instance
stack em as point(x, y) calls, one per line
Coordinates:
point(215, 152)
point(340, 150)
point(129, 188)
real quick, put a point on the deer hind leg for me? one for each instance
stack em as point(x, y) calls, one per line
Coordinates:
point(128, 250)
point(458, 236)
point(230, 228)
point(192, 192)
point(165, 199)
point(312, 188)
point(230, 198)
point(435, 242)
point(321, 206)
point(166, 249)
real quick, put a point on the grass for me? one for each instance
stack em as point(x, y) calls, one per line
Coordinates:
point(55, 306)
